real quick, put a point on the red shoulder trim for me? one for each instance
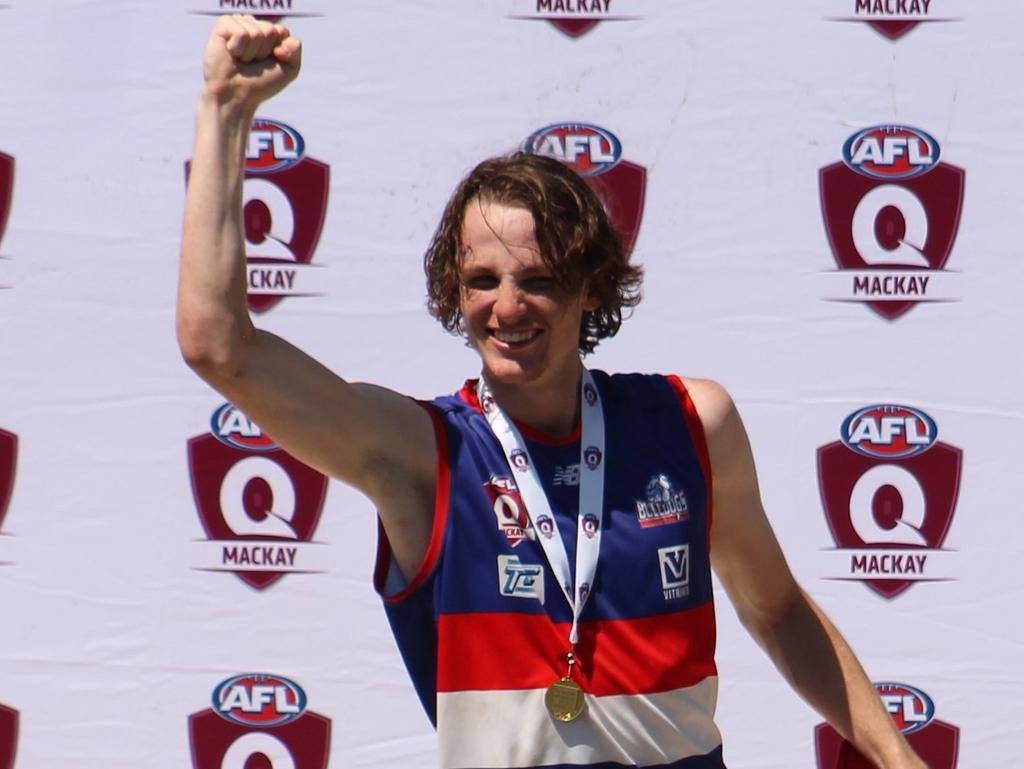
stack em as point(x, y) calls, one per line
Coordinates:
point(442, 495)
point(699, 440)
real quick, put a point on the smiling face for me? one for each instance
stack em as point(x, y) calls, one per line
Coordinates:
point(525, 326)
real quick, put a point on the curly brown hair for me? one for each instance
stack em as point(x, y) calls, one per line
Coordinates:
point(577, 240)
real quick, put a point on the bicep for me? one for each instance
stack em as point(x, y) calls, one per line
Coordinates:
point(745, 552)
point(357, 433)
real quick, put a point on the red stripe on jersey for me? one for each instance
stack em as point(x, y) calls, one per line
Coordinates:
point(527, 651)
point(700, 442)
point(441, 503)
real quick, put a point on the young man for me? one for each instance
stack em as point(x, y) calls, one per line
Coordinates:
point(528, 520)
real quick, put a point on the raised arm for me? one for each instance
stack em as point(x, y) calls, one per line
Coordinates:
point(377, 440)
point(804, 645)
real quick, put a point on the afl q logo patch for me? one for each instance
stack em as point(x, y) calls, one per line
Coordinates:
point(8, 736)
point(889, 488)
point(284, 203)
point(891, 210)
point(596, 154)
point(936, 742)
point(261, 720)
point(258, 504)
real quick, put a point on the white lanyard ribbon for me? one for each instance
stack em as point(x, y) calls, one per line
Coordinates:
point(590, 517)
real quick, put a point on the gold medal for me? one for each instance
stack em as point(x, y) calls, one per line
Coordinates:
point(564, 700)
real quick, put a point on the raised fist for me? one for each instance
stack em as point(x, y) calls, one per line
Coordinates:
point(248, 61)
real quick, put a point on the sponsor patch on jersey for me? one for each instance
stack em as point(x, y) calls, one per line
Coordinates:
point(566, 475)
point(674, 565)
point(509, 510)
point(662, 503)
point(520, 580)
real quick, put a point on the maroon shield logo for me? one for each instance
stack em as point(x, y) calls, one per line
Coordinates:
point(6, 189)
point(8, 463)
point(934, 200)
point(245, 497)
point(284, 207)
point(893, 29)
point(937, 744)
point(862, 505)
point(574, 27)
point(8, 737)
point(623, 188)
point(221, 744)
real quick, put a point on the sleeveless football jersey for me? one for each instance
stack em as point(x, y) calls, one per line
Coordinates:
point(483, 626)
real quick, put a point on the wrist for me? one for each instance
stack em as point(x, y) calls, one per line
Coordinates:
point(220, 100)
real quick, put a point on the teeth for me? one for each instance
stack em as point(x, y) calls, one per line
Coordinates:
point(513, 338)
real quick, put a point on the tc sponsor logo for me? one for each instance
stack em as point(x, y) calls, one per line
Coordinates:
point(8, 464)
point(258, 504)
point(269, 10)
point(283, 209)
point(889, 488)
point(674, 564)
point(893, 18)
point(508, 507)
point(520, 580)
point(8, 736)
point(891, 210)
point(6, 194)
point(936, 742)
point(259, 719)
point(595, 153)
point(575, 18)
point(662, 503)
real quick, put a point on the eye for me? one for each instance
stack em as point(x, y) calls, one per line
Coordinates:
point(540, 284)
point(480, 282)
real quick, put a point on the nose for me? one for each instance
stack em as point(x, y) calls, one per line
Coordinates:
point(509, 306)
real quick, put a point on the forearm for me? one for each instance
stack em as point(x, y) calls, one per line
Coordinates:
point(814, 657)
point(212, 314)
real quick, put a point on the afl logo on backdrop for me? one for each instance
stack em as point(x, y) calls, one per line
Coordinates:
point(258, 504)
point(936, 742)
point(891, 210)
point(259, 719)
point(889, 488)
point(595, 153)
point(283, 210)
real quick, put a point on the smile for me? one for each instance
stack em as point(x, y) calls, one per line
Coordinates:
point(515, 337)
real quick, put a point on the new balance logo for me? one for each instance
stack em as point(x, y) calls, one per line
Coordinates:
point(675, 571)
point(520, 580)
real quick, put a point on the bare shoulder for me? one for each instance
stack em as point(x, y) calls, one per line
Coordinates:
point(716, 408)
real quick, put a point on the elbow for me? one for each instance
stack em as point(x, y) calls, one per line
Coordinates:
point(212, 350)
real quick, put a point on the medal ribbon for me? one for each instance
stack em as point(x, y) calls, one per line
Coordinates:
point(575, 588)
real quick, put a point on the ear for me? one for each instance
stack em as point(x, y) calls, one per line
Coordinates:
point(590, 302)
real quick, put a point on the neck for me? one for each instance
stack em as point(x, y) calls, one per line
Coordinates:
point(551, 407)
